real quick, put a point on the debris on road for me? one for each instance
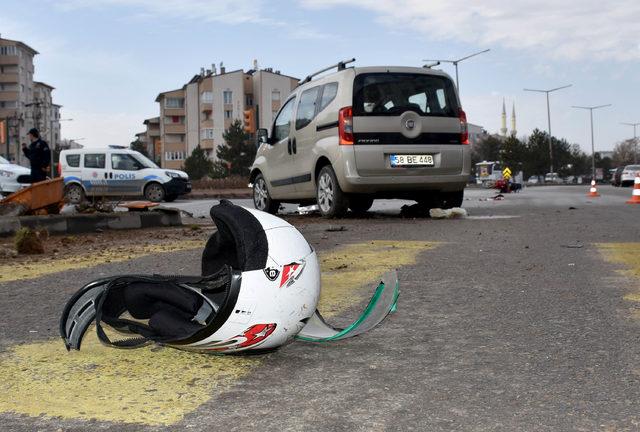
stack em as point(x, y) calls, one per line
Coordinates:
point(138, 205)
point(45, 197)
point(573, 246)
point(452, 213)
point(308, 209)
point(413, 211)
point(333, 228)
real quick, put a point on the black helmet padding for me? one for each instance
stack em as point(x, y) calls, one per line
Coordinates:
point(239, 242)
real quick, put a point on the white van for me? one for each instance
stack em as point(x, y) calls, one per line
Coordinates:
point(118, 172)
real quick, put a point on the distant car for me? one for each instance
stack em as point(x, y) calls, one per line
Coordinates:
point(552, 178)
point(9, 174)
point(629, 175)
point(616, 178)
point(118, 172)
point(533, 180)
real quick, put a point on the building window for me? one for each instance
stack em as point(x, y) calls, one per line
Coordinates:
point(174, 120)
point(8, 104)
point(174, 103)
point(206, 133)
point(228, 114)
point(248, 100)
point(207, 97)
point(275, 95)
point(227, 95)
point(8, 50)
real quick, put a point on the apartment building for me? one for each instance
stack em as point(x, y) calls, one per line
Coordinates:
point(24, 104)
point(154, 146)
point(173, 130)
point(200, 112)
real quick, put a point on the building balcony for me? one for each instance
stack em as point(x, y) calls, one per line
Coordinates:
point(9, 60)
point(153, 132)
point(9, 96)
point(174, 112)
point(9, 78)
point(206, 124)
point(206, 107)
point(207, 144)
point(174, 129)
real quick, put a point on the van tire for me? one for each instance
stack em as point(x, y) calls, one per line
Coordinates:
point(154, 192)
point(360, 204)
point(261, 198)
point(74, 193)
point(332, 202)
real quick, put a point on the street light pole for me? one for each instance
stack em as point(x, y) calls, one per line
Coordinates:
point(635, 141)
point(593, 151)
point(549, 119)
point(455, 63)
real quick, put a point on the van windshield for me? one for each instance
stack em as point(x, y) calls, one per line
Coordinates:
point(3, 161)
point(391, 94)
point(146, 162)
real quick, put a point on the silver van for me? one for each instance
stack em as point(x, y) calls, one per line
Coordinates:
point(361, 133)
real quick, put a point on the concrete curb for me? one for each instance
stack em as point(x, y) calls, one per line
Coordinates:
point(201, 194)
point(83, 223)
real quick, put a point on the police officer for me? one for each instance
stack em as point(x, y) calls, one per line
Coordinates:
point(38, 154)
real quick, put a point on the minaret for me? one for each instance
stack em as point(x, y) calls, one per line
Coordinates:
point(503, 129)
point(514, 131)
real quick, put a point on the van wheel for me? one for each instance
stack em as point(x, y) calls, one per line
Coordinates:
point(452, 199)
point(154, 192)
point(359, 204)
point(331, 200)
point(261, 198)
point(74, 194)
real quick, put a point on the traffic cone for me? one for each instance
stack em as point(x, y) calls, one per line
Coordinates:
point(593, 192)
point(635, 195)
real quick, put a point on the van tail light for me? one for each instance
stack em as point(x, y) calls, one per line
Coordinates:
point(345, 126)
point(59, 169)
point(464, 128)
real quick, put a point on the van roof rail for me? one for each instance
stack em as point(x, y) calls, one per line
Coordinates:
point(340, 65)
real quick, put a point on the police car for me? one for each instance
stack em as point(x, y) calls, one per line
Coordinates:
point(118, 172)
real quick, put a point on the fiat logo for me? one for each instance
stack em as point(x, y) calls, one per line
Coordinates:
point(410, 124)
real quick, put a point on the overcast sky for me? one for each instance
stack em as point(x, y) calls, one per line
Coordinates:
point(108, 59)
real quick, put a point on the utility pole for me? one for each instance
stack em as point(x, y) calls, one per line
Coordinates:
point(549, 119)
point(455, 63)
point(635, 141)
point(593, 152)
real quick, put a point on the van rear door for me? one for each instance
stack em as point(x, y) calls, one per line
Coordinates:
point(406, 124)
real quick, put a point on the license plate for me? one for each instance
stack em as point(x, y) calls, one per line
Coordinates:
point(411, 160)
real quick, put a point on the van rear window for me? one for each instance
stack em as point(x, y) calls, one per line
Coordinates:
point(73, 160)
point(391, 94)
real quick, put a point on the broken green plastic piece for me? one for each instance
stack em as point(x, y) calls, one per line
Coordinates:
point(383, 302)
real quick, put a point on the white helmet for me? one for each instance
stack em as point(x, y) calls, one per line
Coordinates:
point(260, 286)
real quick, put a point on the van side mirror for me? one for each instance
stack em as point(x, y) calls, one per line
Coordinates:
point(263, 136)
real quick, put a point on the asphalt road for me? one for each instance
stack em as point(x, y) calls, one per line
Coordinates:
point(517, 318)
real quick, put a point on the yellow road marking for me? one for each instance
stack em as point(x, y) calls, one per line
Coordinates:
point(627, 254)
point(21, 271)
point(351, 271)
point(159, 386)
